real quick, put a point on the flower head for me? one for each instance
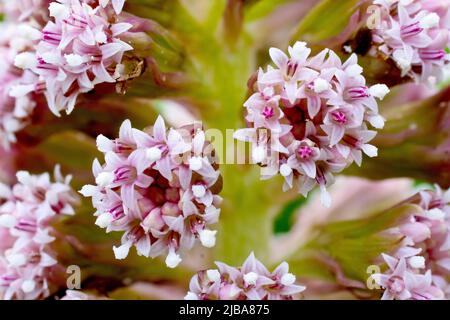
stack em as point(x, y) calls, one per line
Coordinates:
point(310, 117)
point(415, 35)
point(252, 281)
point(16, 104)
point(159, 188)
point(403, 282)
point(79, 49)
point(420, 268)
point(27, 262)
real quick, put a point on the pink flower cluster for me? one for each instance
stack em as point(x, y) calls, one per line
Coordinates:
point(252, 281)
point(420, 269)
point(159, 188)
point(27, 262)
point(416, 35)
point(15, 109)
point(309, 117)
point(79, 49)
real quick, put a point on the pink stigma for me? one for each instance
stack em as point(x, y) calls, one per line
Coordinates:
point(356, 93)
point(432, 54)
point(304, 152)
point(410, 30)
point(117, 212)
point(268, 112)
point(339, 117)
point(125, 174)
point(291, 68)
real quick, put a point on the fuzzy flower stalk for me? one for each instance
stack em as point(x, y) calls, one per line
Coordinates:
point(311, 117)
point(251, 281)
point(29, 267)
point(159, 187)
point(415, 35)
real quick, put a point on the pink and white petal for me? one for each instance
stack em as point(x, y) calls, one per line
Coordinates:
point(118, 5)
point(110, 49)
point(101, 73)
point(159, 129)
point(185, 176)
point(309, 167)
point(126, 131)
point(144, 181)
point(143, 246)
point(337, 133)
point(314, 104)
point(198, 142)
point(278, 57)
point(189, 208)
point(291, 90)
point(127, 193)
point(87, 37)
point(164, 165)
point(119, 28)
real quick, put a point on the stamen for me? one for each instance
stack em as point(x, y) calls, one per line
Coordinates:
point(410, 30)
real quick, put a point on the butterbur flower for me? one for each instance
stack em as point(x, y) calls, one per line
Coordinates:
point(415, 35)
point(402, 282)
point(251, 281)
point(420, 268)
point(158, 187)
point(28, 265)
point(16, 105)
point(79, 49)
point(407, 245)
point(311, 117)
